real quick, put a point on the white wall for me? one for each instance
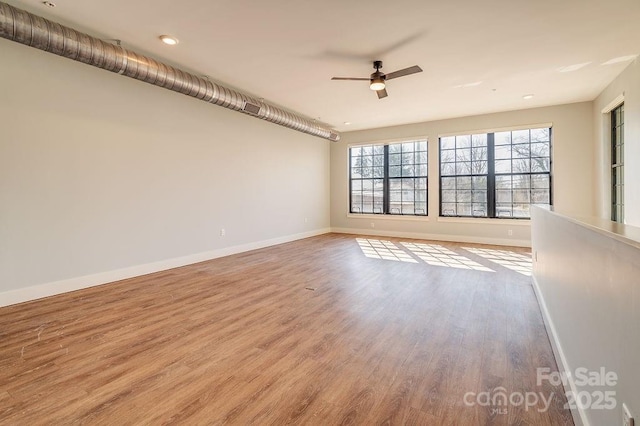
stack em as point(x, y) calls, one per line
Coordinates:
point(588, 287)
point(572, 175)
point(99, 172)
point(628, 85)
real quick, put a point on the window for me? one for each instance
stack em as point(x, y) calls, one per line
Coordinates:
point(617, 164)
point(495, 175)
point(389, 179)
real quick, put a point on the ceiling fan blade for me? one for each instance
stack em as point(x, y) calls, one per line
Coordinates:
point(350, 78)
point(382, 93)
point(401, 73)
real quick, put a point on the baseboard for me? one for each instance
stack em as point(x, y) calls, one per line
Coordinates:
point(435, 237)
point(579, 415)
point(39, 291)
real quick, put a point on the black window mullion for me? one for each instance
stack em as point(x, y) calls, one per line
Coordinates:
point(350, 183)
point(491, 176)
point(385, 185)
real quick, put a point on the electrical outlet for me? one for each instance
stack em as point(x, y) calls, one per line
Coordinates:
point(306, 220)
point(627, 419)
point(510, 232)
point(373, 225)
point(223, 232)
point(535, 256)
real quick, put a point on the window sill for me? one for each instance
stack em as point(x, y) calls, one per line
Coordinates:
point(387, 217)
point(484, 220)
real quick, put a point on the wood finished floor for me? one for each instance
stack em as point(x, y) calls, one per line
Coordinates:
point(394, 334)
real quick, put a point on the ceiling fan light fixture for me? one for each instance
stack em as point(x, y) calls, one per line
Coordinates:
point(377, 83)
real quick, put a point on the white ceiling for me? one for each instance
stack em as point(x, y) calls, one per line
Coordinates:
point(478, 56)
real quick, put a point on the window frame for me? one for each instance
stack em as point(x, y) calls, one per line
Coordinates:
point(491, 174)
point(386, 179)
point(617, 169)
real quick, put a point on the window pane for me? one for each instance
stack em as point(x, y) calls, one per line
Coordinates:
point(479, 168)
point(503, 182)
point(407, 208)
point(540, 196)
point(521, 210)
point(479, 182)
point(503, 196)
point(464, 209)
point(448, 196)
point(539, 135)
point(463, 168)
point(504, 210)
point(448, 169)
point(521, 151)
point(503, 166)
point(463, 183)
point(540, 165)
point(378, 150)
point(448, 142)
point(479, 209)
point(448, 183)
point(540, 149)
point(479, 196)
point(463, 141)
point(479, 140)
point(520, 136)
point(447, 156)
point(521, 165)
point(540, 181)
point(502, 138)
point(394, 171)
point(521, 196)
point(479, 153)
point(448, 209)
point(463, 154)
point(463, 196)
point(502, 152)
point(408, 171)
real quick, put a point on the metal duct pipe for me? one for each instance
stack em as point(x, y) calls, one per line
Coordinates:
point(23, 27)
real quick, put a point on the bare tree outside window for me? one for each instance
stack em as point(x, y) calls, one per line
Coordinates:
point(496, 175)
point(389, 179)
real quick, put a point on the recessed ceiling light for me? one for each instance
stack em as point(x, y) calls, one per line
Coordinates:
point(574, 67)
point(529, 96)
point(346, 123)
point(49, 4)
point(167, 39)
point(620, 59)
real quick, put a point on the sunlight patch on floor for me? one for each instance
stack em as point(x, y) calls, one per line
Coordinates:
point(518, 262)
point(437, 255)
point(386, 250)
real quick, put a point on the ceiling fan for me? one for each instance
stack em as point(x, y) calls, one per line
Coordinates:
point(377, 79)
